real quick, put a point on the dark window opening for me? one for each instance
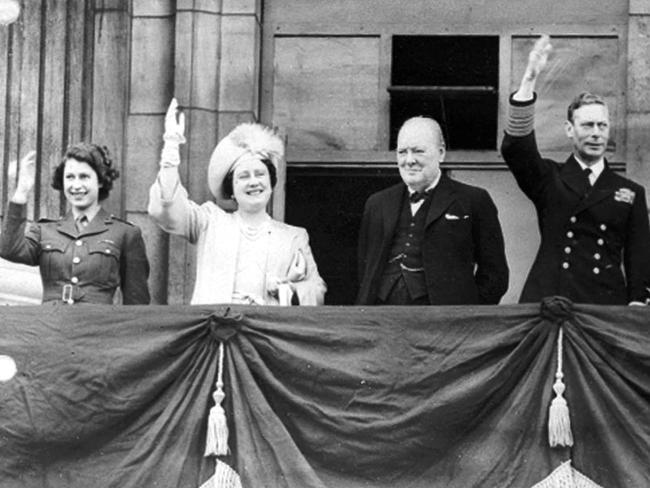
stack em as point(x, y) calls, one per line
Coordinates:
point(453, 79)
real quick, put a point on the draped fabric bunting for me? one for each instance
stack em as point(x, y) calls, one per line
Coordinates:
point(338, 397)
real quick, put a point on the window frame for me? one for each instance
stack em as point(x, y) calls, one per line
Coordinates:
point(455, 159)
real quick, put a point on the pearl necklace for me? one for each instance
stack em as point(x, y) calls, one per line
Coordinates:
point(252, 232)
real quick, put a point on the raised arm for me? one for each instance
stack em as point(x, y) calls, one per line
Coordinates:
point(15, 245)
point(519, 147)
point(26, 179)
point(169, 204)
point(170, 157)
point(536, 62)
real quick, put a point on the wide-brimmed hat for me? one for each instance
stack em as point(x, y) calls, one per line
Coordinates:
point(247, 138)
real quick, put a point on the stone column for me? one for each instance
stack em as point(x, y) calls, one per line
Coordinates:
point(239, 83)
point(205, 53)
point(150, 87)
point(638, 93)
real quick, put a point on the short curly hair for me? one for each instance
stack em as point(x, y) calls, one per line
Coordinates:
point(98, 158)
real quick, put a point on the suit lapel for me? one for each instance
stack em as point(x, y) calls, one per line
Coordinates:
point(573, 177)
point(96, 226)
point(391, 209)
point(66, 226)
point(443, 195)
point(604, 187)
point(280, 244)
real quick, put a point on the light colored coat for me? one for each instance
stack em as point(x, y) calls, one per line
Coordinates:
point(216, 234)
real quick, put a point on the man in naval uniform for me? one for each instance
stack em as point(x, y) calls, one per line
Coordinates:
point(595, 239)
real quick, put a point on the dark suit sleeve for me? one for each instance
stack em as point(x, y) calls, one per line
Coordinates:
point(491, 266)
point(520, 152)
point(134, 269)
point(362, 247)
point(636, 253)
point(527, 165)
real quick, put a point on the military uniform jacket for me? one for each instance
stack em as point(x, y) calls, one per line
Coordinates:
point(594, 249)
point(462, 253)
point(79, 267)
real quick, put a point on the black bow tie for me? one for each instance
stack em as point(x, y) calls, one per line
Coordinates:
point(415, 197)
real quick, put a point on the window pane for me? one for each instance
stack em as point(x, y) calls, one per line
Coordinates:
point(325, 92)
point(468, 120)
point(445, 60)
point(453, 79)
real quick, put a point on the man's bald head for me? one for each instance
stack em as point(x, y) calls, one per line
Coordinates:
point(427, 124)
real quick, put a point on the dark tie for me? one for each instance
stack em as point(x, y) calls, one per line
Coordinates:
point(586, 183)
point(81, 223)
point(415, 197)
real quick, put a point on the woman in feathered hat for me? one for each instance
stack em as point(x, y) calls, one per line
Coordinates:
point(244, 256)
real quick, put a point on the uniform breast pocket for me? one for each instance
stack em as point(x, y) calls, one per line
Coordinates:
point(104, 262)
point(52, 261)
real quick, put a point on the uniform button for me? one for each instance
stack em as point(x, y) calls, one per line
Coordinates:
point(412, 224)
point(76, 260)
point(596, 270)
point(410, 235)
point(569, 234)
point(600, 242)
point(79, 242)
point(597, 256)
point(603, 227)
point(573, 220)
point(407, 245)
point(74, 280)
point(565, 265)
point(567, 250)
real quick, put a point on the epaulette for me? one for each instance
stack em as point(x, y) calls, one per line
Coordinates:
point(114, 217)
point(45, 220)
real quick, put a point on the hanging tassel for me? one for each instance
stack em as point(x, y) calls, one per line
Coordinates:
point(224, 477)
point(559, 422)
point(216, 443)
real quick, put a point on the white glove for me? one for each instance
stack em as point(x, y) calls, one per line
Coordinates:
point(26, 177)
point(174, 136)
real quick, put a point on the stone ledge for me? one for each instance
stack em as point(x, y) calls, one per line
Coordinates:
point(639, 7)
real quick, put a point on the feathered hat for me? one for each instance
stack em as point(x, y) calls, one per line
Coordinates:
point(247, 138)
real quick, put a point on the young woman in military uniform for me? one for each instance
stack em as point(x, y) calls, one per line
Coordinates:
point(85, 256)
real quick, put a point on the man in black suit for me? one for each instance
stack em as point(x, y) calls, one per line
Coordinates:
point(430, 240)
point(593, 222)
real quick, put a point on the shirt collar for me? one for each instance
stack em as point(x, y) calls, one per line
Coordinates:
point(595, 168)
point(90, 214)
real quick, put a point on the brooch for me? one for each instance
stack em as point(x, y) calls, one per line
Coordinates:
point(624, 195)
